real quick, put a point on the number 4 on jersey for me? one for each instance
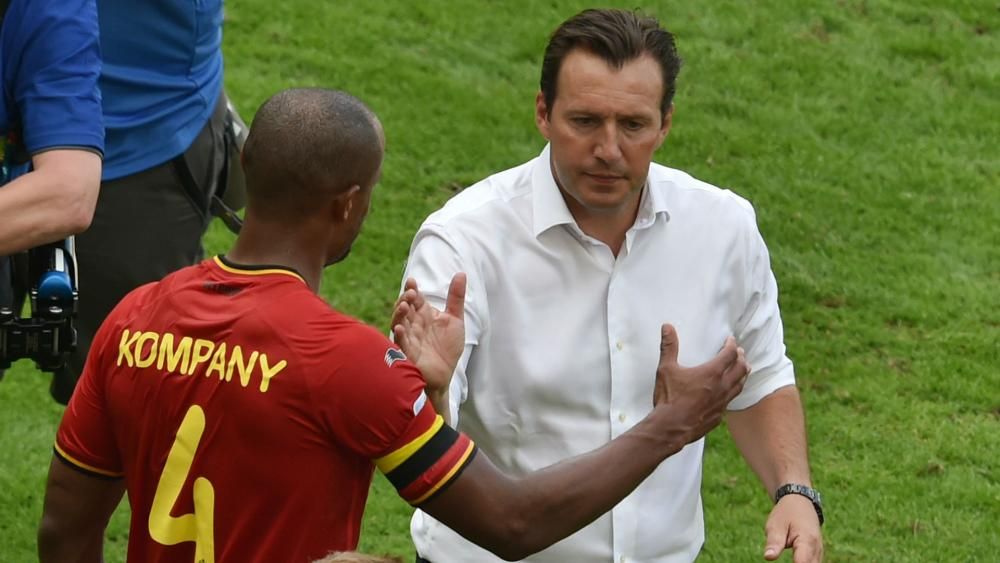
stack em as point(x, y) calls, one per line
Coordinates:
point(198, 526)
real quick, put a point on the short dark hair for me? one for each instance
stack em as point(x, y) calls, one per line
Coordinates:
point(306, 143)
point(617, 36)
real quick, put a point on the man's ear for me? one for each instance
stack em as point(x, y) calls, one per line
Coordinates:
point(542, 115)
point(343, 204)
point(668, 120)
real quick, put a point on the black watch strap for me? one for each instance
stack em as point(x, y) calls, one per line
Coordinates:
point(808, 492)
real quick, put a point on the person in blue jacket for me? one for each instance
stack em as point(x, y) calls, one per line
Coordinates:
point(164, 112)
point(51, 131)
point(50, 121)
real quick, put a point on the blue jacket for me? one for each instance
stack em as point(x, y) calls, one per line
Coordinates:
point(162, 77)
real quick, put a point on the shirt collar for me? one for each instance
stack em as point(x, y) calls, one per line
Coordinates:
point(548, 206)
point(550, 210)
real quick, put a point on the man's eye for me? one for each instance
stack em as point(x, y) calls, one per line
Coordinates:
point(583, 121)
point(632, 125)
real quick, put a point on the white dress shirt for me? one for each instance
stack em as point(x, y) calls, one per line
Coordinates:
point(563, 339)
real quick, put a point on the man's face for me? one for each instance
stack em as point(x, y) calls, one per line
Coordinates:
point(604, 126)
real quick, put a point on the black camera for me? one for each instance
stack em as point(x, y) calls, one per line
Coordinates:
point(46, 275)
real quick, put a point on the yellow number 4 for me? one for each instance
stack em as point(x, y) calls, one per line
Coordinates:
point(196, 527)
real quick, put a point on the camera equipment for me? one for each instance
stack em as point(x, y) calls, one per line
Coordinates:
point(48, 273)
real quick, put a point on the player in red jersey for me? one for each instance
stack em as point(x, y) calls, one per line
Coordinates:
point(244, 416)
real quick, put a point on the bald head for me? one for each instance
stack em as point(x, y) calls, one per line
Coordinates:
point(309, 144)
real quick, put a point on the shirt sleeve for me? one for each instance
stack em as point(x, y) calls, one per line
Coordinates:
point(86, 439)
point(378, 409)
point(759, 329)
point(434, 259)
point(55, 56)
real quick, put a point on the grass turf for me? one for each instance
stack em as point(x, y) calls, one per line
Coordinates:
point(859, 129)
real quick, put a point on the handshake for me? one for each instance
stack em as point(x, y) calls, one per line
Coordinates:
point(691, 400)
point(47, 276)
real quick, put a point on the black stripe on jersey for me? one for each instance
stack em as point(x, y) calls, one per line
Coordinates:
point(83, 470)
point(424, 458)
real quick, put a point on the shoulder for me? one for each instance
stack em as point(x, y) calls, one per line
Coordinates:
point(468, 223)
point(63, 24)
point(51, 67)
point(482, 200)
point(690, 197)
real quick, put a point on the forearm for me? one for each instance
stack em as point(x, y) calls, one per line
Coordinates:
point(63, 545)
point(772, 438)
point(54, 201)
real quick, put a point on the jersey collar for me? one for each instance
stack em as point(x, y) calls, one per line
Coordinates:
point(255, 269)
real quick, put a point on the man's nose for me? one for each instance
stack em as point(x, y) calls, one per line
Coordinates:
point(608, 147)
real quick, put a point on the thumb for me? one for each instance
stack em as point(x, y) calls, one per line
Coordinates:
point(669, 344)
point(775, 543)
point(455, 305)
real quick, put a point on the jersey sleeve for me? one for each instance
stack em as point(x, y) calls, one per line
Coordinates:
point(86, 439)
point(55, 74)
point(373, 403)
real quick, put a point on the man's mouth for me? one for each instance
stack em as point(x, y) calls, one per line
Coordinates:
point(603, 178)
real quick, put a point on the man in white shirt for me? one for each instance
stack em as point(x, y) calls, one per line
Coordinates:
point(574, 260)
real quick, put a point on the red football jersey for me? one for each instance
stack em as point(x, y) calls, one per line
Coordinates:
point(246, 415)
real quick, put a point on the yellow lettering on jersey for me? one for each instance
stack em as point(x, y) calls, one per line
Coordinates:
point(268, 372)
point(125, 347)
point(172, 356)
point(202, 351)
point(197, 527)
point(218, 362)
point(236, 360)
point(185, 355)
point(151, 337)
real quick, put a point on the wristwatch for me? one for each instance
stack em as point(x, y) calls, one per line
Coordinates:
point(808, 492)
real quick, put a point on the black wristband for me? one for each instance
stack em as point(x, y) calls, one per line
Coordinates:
point(808, 492)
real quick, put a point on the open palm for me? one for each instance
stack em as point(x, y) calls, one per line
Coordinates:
point(433, 340)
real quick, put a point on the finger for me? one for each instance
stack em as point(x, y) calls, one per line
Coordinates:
point(803, 552)
point(455, 304)
point(398, 335)
point(414, 297)
point(726, 357)
point(399, 313)
point(736, 372)
point(411, 283)
point(669, 344)
point(743, 368)
point(777, 539)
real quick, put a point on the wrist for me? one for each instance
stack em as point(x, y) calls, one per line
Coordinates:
point(799, 490)
point(669, 430)
point(438, 398)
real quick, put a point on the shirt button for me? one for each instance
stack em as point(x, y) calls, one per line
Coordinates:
point(619, 345)
point(621, 418)
point(621, 559)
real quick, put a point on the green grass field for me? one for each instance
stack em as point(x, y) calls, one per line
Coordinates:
point(860, 130)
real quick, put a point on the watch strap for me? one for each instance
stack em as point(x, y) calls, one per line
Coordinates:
point(803, 490)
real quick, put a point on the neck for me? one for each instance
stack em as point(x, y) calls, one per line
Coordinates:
point(608, 226)
point(276, 246)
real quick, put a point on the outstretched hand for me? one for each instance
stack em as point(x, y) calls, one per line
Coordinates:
point(793, 524)
point(433, 340)
point(700, 394)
